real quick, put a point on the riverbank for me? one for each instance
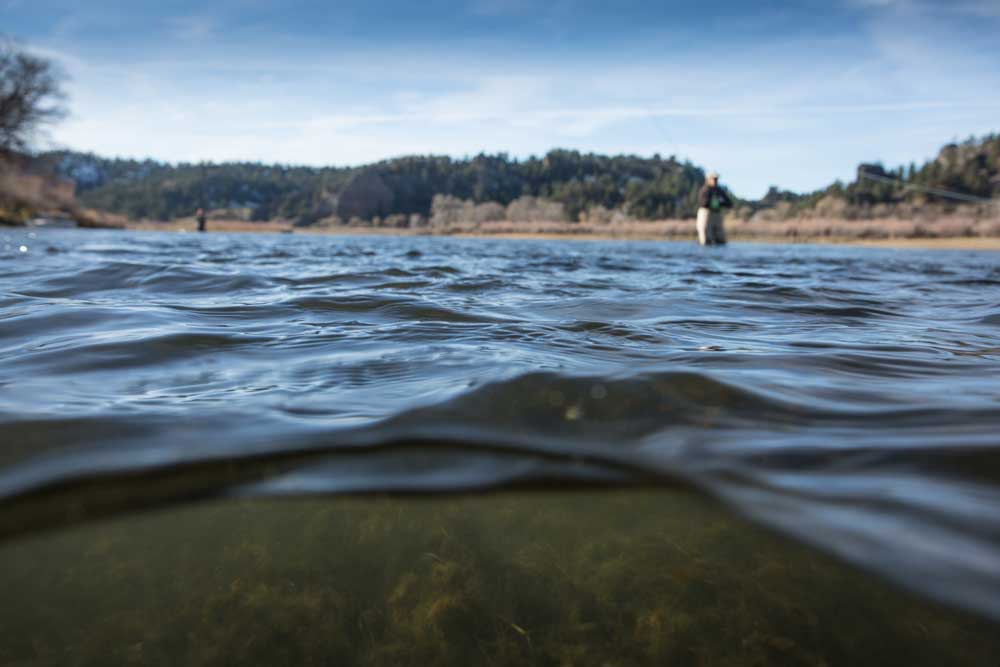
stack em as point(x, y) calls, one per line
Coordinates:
point(946, 233)
point(962, 243)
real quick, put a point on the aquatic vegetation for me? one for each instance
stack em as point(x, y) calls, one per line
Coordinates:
point(548, 579)
point(804, 387)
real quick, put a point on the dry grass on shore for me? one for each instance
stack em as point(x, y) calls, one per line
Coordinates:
point(191, 225)
point(793, 230)
point(952, 231)
point(25, 196)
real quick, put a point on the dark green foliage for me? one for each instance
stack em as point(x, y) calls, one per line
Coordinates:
point(542, 579)
point(153, 190)
point(643, 187)
point(970, 168)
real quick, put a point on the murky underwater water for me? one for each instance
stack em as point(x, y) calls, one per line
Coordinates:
point(612, 578)
point(847, 398)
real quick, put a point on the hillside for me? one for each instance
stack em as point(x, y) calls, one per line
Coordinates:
point(403, 189)
point(562, 186)
point(27, 193)
point(969, 168)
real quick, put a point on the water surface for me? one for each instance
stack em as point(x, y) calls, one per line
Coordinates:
point(846, 397)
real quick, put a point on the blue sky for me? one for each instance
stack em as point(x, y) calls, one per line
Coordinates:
point(783, 93)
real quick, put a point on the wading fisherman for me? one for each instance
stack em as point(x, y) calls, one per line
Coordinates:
point(201, 218)
point(711, 200)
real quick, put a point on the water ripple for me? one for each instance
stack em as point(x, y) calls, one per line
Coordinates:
point(848, 397)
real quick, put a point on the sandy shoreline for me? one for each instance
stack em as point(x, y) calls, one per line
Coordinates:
point(960, 243)
point(966, 243)
point(938, 243)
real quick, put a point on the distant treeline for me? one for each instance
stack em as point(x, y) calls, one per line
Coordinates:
point(644, 188)
point(561, 186)
point(971, 168)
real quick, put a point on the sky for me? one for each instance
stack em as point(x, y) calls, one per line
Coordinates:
point(791, 94)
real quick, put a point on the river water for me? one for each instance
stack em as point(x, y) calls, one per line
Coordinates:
point(846, 399)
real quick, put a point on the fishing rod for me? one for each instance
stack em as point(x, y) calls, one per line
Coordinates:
point(940, 192)
point(663, 133)
point(934, 191)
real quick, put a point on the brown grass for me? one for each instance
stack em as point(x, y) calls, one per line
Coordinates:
point(25, 195)
point(954, 231)
point(191, 225)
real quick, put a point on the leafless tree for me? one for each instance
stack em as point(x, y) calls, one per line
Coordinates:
point(31, 96)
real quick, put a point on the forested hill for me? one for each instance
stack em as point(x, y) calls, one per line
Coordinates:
point(577, 183)
point(562, 185)
point(969, 168)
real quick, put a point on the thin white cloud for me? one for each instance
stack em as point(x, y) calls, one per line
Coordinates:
point(191, 28)
point(555, 16)
point(499, 7)
point(786, 113)
point(981, 8)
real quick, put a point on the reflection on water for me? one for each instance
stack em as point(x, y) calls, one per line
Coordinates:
point(613, 578)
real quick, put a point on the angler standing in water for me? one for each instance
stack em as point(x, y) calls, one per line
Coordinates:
point(711, 200)
point(201, 218)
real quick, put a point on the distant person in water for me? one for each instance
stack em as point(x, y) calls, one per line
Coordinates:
point(711, 200)
point(199, 215)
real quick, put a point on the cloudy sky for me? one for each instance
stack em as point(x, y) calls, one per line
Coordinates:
point(783, 93)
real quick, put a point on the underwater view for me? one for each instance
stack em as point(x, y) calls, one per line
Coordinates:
point(571, 333)
point(293, 449)
point(613, 578)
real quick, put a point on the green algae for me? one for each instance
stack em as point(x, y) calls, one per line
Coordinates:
point(622, 578)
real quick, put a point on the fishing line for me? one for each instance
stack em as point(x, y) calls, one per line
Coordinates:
point(934, 191)
point(663, 133)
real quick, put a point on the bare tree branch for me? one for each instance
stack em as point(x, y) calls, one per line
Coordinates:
point(31, 96)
